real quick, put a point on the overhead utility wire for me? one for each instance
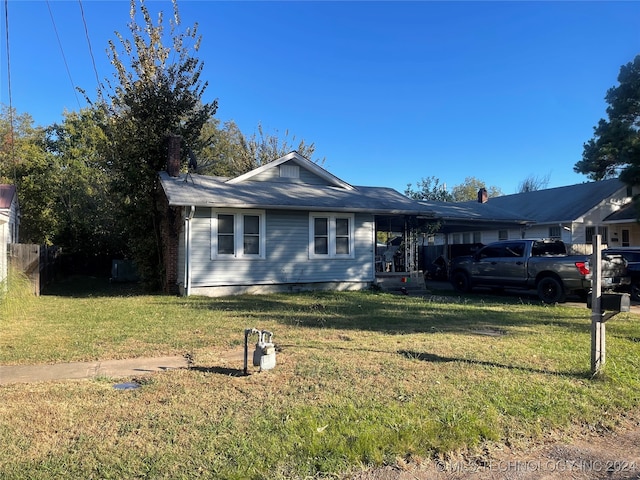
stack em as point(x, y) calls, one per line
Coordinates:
point(86, 31)
point(11, 127)
point(64, 59)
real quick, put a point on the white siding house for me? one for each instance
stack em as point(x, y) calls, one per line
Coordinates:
point(286, 226)
point(9, 224)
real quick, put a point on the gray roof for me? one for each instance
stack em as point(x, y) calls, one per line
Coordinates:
point(460, 216)
point(554, 205)
point(629, 213)
point(474, 211)
point(7, 192)
point(205, 191)
point(557, 205)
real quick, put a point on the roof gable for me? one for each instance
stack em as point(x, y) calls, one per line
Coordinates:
point(7, 195)
point(275, 169)
point(628, 213)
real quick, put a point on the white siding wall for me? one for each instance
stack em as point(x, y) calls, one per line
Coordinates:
point(273, 175)
point(9, 229)
point(597, 215)
point(287, 255)
point(615, 231)
point(4, 240)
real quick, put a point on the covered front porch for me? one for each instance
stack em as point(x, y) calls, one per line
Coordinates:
point(397, 253)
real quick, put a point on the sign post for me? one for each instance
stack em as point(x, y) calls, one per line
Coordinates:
point(598, 333)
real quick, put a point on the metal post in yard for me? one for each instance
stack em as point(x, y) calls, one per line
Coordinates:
point(247, 331)
point(598, 356)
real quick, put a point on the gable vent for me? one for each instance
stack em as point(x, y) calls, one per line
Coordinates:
point(289, 171)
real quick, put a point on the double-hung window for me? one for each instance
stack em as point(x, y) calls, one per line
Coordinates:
point(591, 231)
point(237, 234)
point(331, 235)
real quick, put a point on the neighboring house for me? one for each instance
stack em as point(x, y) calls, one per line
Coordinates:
point(288, 225)
point(573, 213)
point(9, 224)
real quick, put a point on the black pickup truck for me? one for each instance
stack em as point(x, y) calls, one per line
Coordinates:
point(542, 265)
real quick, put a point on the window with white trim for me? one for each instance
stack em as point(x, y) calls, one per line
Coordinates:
point(591, 231)
point(237, 234)
point(331, 235)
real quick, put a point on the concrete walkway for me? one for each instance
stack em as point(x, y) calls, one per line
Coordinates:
point(83, 370)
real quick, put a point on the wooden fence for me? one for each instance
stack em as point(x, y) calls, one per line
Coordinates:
point(38, 262)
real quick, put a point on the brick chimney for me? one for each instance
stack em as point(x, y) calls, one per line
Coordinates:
point(482, 195)
point(173, 160)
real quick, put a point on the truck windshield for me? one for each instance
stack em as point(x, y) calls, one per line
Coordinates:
point(540, 249)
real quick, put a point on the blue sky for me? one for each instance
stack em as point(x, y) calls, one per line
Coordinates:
point(389, 92)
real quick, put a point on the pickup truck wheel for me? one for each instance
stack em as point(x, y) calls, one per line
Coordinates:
point(635, 291)
point(460, 282)
point(550, 290)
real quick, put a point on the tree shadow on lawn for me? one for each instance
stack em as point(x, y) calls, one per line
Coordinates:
point(388, 313)
point(408, 354)
point(433, 358)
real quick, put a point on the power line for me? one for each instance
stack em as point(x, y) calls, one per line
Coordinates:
point(11, 127)
point(64, 59)
point(86, 31)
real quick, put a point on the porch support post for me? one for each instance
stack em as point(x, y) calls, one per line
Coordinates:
point(407, 246)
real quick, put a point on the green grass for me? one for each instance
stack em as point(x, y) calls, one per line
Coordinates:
point(362, 379)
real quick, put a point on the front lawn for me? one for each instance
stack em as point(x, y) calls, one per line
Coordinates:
point(361, 379)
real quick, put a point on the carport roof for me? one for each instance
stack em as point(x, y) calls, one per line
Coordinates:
point(458, 216)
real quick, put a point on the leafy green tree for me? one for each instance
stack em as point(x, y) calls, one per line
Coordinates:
point(25, 163)
point(13, 129)
point(157, 91)
point(615, 147)
point(429, 188)
point(86, 212)
point(468, 190)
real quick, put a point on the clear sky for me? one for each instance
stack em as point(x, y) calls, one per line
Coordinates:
point(389, 92)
